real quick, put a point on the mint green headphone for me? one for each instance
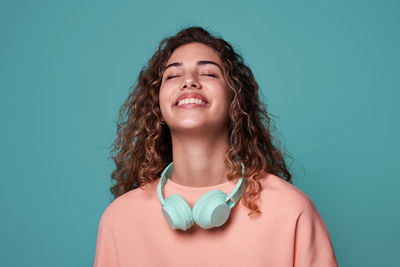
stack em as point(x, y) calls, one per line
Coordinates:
point(211, 210)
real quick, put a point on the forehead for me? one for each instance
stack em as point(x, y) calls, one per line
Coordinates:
point(193, 52)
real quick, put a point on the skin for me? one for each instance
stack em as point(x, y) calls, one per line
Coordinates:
point(199, 133)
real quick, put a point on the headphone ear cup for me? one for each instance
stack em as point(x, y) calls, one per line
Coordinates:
point(177, 212)
point(211, 210)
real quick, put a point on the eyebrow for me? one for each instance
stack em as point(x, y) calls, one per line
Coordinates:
point(199, 63)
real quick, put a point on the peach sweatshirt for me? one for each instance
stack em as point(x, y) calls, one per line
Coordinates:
point(290, 232)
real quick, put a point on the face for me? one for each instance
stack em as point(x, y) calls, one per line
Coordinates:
point(194, 95)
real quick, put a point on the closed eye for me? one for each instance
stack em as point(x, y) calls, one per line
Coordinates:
point(173, 76)
point(170, 77)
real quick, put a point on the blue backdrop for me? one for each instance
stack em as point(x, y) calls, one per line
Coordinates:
point(328, 69)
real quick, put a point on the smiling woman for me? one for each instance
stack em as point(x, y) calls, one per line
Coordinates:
point(196, 164)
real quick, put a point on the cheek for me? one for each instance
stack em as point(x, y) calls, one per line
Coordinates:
point(225, 96)
point(163, 100)
point(162, 95)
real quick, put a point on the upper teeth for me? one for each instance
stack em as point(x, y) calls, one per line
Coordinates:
point(190, 101)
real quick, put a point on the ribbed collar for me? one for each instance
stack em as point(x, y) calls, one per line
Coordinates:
point(191, 194)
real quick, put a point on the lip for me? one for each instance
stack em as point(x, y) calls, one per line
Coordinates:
point(191, 95)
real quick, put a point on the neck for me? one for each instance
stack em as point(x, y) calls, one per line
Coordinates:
point(199, 160)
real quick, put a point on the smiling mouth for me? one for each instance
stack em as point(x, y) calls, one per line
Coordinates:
point(191, 102)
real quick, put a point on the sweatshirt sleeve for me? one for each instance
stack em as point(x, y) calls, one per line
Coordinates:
point(105, 254)
point(313, 247)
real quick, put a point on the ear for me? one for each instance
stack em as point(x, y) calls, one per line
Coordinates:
point(162, 121)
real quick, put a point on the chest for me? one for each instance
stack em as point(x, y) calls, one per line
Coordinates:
point(241, 241)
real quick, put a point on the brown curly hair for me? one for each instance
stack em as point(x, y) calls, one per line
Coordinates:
point(143, 147)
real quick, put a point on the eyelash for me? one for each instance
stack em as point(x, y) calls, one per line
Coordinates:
point(170, 77)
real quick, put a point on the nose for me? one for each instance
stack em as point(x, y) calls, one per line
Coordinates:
point(191, 81)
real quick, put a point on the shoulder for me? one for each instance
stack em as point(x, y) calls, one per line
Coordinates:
point(296, 216)
point(132, 202)
point(280, 193)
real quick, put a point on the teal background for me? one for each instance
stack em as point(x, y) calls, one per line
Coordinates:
point(328, 69)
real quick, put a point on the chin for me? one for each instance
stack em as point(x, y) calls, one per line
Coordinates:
point(191, 126)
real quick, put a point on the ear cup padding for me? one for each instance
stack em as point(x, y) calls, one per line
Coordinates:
point(177, 212)
point(211, 210)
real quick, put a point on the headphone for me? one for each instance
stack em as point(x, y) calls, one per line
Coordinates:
point(211, 210)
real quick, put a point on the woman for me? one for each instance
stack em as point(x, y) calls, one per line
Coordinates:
point(194, 126)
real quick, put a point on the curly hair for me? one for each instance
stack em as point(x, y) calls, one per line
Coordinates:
point(143, 146)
